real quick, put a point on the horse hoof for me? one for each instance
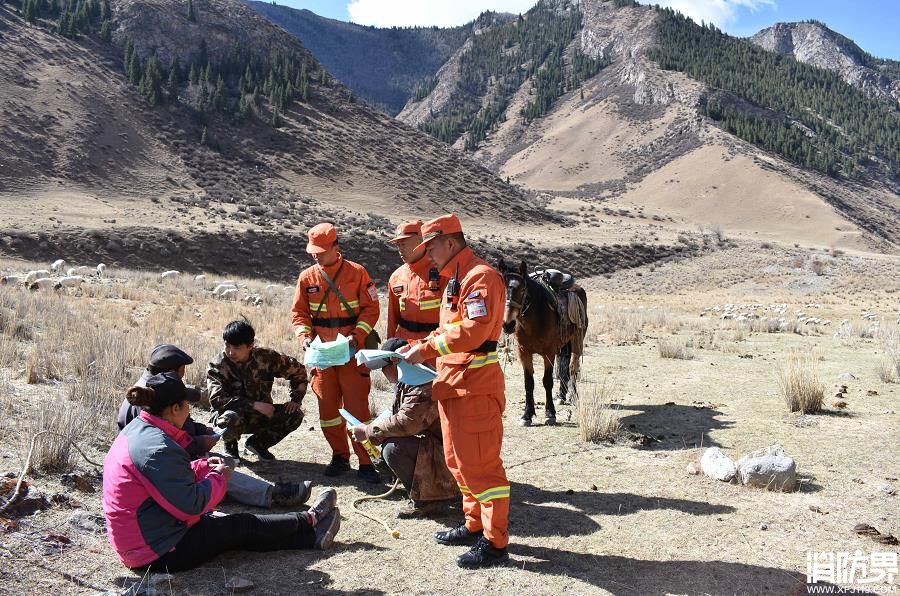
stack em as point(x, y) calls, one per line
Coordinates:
point(550, 421)
point(525, 422)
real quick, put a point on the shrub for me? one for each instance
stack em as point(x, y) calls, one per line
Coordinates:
point(675, 348)
point(799, 384)
point(598, 419)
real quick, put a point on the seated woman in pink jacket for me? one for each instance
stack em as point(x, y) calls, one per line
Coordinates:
point(156, 499)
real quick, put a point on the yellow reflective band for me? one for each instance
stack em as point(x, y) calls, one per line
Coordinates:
point(364, 326)
point(464, 489)
point(316, 306)
point(402, 304)
point(303, 329)
point(498, 492)
point(479, 361)
point(430, 304)
point(449, 326)
point(440, 344)
point(351, 303)
point(332, 422)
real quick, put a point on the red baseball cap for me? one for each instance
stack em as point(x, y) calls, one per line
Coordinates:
point(441, 226)
point(321, 237)
point(408, 229)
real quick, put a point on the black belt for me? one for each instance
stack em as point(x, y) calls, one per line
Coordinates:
point(488, 346)
point(335, 322)
point(416, 327)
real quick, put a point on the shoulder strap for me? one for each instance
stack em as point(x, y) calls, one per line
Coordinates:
point(333, 288)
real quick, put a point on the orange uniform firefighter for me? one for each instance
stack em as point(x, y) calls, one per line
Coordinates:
point(469, 390)
point(415, 289)
point(349, 307)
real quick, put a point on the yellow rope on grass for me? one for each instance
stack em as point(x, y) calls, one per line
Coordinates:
point(353, 505)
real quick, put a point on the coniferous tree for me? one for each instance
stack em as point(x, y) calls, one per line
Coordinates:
point(204, 137)
point(193, 76)
point(106, 31)
point(219, 98)
point(191, 15)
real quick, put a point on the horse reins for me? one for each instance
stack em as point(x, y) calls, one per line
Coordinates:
point(521, 306)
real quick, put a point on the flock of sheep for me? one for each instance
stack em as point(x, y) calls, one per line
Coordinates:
point(58, 276)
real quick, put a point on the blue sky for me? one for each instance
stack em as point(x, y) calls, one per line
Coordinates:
point(873, 24)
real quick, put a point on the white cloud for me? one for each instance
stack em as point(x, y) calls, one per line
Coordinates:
point(443, 13)
point(720, 12)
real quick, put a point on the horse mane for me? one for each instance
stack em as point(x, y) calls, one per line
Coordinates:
point(537, 294)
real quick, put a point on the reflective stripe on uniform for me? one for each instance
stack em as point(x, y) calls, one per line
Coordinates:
point(497, 492)
point(430, 304)
point(402, 304)
point(303, 329)
point(316, 306)
point(440, 344)
point(449, 326)
point(479, 361)
point(464, 489)
point(353, 304)
point(331, 422)
point(364, 326)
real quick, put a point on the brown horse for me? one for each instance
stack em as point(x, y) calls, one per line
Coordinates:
point(531, 313)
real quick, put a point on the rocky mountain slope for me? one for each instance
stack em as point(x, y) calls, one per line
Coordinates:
point(384, 66)
point(607, 138)
point(814, 43)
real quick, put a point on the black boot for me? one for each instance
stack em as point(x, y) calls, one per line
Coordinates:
point(254, 446)
point(231, 450)
point(458, 535)
point(483, 554)
point(338, 466)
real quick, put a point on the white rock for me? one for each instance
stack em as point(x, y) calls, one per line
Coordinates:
point(716, 464)
point(239, 584)
point(768, 468)
point(692, 469)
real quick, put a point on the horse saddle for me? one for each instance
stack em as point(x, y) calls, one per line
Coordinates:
point(558, 280)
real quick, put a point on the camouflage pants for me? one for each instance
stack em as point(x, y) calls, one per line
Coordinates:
point(266, 431)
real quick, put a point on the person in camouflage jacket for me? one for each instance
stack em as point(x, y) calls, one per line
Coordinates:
point(412, 444)
point(239, 383)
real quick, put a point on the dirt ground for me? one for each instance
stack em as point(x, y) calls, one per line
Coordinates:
point(585, 518)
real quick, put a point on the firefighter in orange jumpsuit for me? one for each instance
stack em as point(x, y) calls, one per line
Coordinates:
point(415, 289)
point(318, 311)
point(469, 390)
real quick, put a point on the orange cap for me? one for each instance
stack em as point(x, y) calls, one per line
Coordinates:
point(321, 237)
point(441, 226)
point(408, 229)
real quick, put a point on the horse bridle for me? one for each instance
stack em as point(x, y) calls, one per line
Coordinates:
point(521, 306)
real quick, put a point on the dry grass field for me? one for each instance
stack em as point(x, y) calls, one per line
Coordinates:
point(587, 518)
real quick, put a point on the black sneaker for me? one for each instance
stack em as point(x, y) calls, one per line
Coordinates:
point(483, 554)
point(326, 529)
point(258, 450)
point(338, 466)
point(368, 473)
point(324, 503)
point(458, 535)
point(286, 494)
point(231, 450)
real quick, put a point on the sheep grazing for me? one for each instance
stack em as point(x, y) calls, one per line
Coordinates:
point(222, 287)
point(43, 283)
point(9, 279)
point(169, 274)
point(72, 271)
point(254, 299)
point(71, 281)
point(31, 276)
point(101, 270)
point(229, 294)
point(57, 266)
point(200, 277)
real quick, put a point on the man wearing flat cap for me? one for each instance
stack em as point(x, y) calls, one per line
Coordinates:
point(337, 296)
